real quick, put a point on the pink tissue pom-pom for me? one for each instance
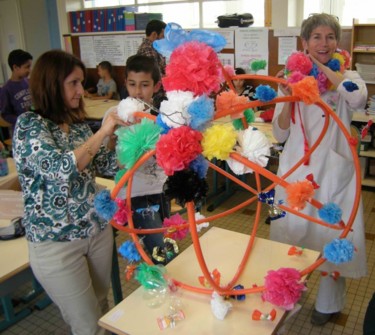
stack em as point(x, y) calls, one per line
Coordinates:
point(295, 77)
point(230, 70)
point(174, 222)
point(123, 212)
point(177, 149)
point(322, 80)
point(298, 61)
point(283, 287)
point(194, 67)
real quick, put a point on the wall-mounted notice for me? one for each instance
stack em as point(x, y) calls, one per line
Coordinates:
point(226, 59)
point(110, 48)
point(287, 45)
point(251, 44)
point(228, 34)
point(113, 48)
point(88, 57)
point(132, 43)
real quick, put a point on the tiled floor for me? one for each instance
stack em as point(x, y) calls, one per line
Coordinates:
point(350, 321)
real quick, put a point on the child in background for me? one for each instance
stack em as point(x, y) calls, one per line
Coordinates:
point(106, 87)
point(149, 206)
point(15, 97)
point(241, 86)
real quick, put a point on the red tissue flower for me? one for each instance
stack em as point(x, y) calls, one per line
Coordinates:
point(195, 67)
point(177, 149)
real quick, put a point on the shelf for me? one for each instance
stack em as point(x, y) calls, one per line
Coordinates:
point(368, 181)
point(364, 51)
point(362, 117)
point(367, 153)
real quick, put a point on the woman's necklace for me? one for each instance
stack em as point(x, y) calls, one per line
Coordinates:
point(299, 65)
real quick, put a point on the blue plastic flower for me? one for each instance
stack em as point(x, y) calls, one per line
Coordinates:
point(314, 71)
point(129, 251)
point(164, 128)
point(201, 111)
point(104, 205)
point(350, 86)
point(339, 251)
point(330, 213)
point(239, 297)
point(265, 93)
point(200, 166)
point(334, 64)
point(174, 36)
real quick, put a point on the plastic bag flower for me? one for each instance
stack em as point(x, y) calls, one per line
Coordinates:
point(194, 66)
point(177, 149)
point(283, 287)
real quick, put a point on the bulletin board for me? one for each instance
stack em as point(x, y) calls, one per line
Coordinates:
point(119, 46)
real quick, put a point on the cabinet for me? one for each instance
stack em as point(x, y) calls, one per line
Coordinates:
point(363, 53)
point(367, 157)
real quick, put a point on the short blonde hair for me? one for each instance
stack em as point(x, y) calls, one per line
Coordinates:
point(322, 19)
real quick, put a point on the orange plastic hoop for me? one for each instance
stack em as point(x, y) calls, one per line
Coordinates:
point(258, 171)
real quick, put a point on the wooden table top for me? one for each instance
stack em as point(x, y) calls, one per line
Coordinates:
point(223, 250)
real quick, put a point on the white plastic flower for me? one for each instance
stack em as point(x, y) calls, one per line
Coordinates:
point(199, 216)
point(127, 107)
point(174, 110)
point(219, 306)
point(253, 145)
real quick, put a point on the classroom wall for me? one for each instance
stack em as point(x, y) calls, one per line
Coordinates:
point(24, 24)
point(11, 33)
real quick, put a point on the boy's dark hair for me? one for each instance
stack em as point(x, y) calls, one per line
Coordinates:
point(155, 25)
point(47, 87)
point(239, 70)
point(141, 63)
point(18, 57)
point(105, 65)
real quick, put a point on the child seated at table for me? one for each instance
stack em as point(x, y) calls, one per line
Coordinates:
point(149, 206)
point(106, 87)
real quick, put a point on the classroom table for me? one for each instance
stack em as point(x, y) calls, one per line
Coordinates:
point(96, 109)
point(14, 263)
point(223, 250)
point(10, 181)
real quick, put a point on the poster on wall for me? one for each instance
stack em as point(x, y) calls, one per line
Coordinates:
point(88, 57)
point(110, 48)
point(226, 59)
point(228, 34)
point(132, 43)
point(251, 44)
point(113, 48)
point(287, 45)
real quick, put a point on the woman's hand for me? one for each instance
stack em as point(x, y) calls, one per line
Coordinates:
point(285, 89)
point(111, 122)
point(334, 77)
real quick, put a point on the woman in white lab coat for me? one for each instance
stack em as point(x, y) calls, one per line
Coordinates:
point(331, 164)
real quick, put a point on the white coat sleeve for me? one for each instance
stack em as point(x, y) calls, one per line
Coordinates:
point(354, 98)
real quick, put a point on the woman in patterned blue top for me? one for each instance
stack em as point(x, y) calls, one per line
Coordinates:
point(57, 156)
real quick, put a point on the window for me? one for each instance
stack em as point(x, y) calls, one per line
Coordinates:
point(346, 10)
point(190, 14)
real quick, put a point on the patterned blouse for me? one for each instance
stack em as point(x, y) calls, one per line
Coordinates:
point(58, 198)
